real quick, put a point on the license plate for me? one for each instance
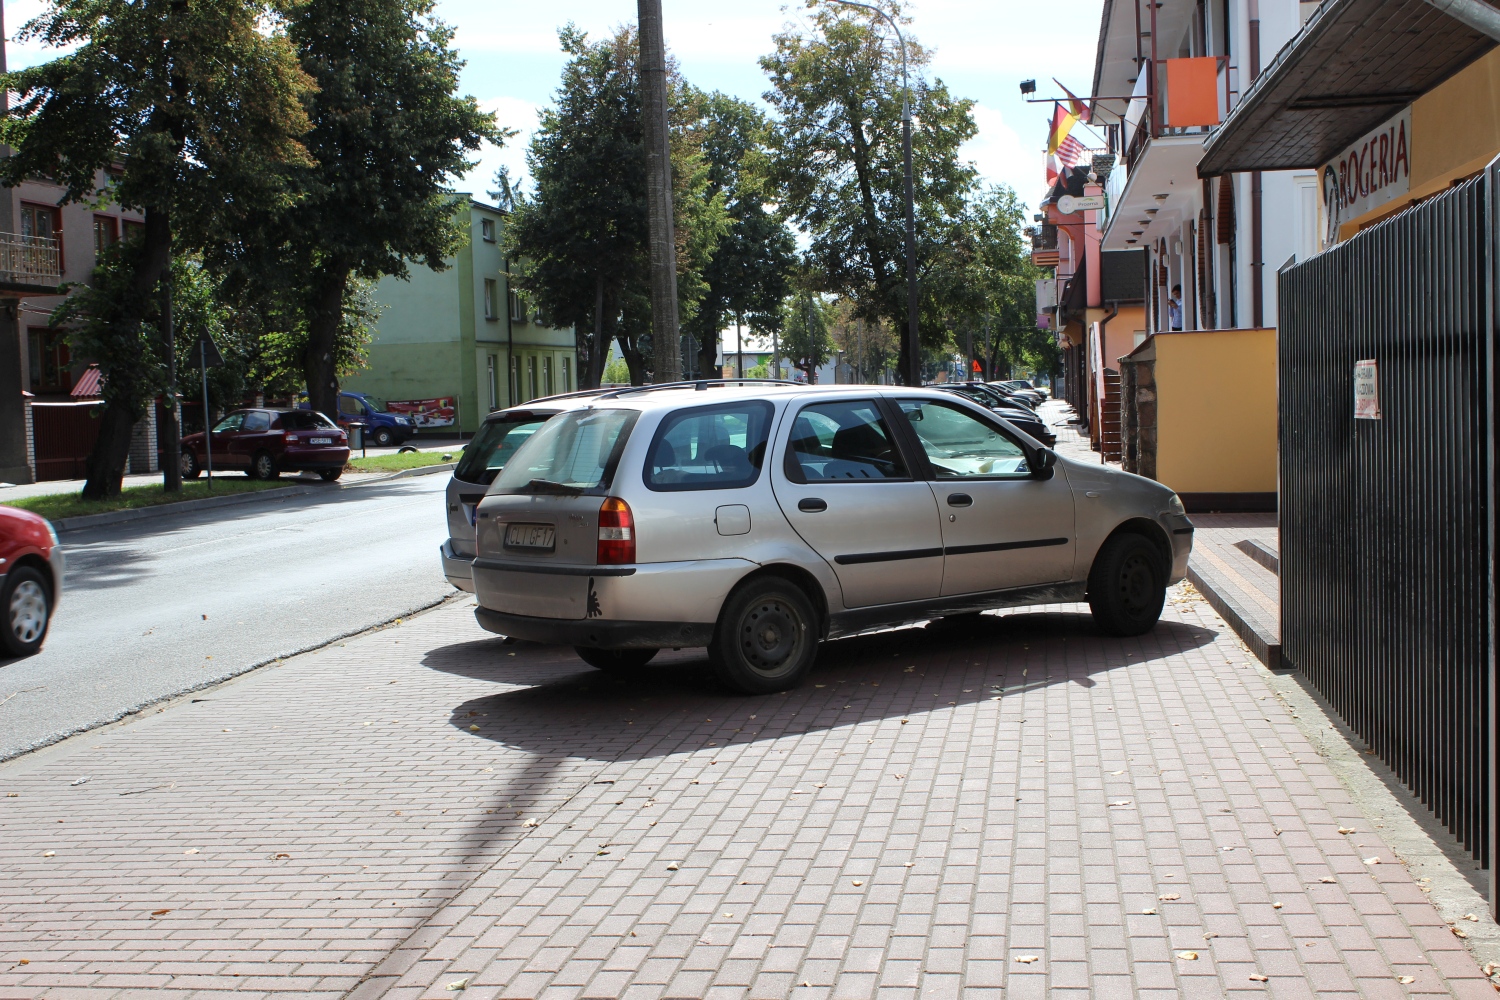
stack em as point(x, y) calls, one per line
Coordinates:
point(530, 536)
point(321, 440)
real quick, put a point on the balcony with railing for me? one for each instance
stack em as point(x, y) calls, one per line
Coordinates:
point(1044, 245)
point(29, 265)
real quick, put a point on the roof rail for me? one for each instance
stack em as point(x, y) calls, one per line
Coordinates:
point(561, 395)
point(698, 385)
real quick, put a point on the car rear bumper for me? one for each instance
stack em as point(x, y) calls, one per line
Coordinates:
point(314, 459)
point(457, 568)
point(596, 632)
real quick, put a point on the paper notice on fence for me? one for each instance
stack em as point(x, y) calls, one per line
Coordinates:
point(1366, 390)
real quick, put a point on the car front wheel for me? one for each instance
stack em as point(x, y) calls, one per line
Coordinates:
point(27, 604)
point(383, 437)
point(766, 637)
point(1127, 586)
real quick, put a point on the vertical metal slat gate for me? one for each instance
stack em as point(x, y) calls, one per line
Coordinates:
point(1386, 531)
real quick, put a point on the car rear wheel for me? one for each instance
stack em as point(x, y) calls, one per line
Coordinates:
point(263, 466)
point(383, 437)
point(615, 661)
point(329, 475)
point(766, 637)
point(1127, 586)
point(190, 467)
point(26, 602)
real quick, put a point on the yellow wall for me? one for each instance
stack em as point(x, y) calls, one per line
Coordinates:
point(1455, 132)
point(1216, 411)
point(1119, 335)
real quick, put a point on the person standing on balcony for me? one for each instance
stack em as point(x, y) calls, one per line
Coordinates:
point(1174, 308)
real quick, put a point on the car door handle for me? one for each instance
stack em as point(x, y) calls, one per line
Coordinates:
point(812, 505)
point(960, 500)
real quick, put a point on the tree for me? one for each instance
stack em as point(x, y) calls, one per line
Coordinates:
point(583, 230)
point(194, 109)
point(748, 275)
point(1002, 322)
point(868, 346)
point(836, 88)
point(388, 133)
point(804, 340)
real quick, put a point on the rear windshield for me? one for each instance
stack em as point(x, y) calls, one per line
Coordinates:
point(710, 447)
point(576, 450)
point(493, 447)
point(305, 420)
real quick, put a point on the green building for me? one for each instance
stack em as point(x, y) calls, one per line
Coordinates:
point(453, 345)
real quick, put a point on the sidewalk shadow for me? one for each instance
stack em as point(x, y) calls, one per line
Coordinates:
point(569, 709)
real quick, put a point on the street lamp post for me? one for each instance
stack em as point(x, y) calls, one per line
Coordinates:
point(914, 345)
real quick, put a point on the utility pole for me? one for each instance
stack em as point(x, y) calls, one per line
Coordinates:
point(653, 65)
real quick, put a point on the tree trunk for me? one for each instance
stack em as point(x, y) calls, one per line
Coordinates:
point(593, 348)
point(171, 434)
point(325, 314)
point(662, 239)
point(106, 464)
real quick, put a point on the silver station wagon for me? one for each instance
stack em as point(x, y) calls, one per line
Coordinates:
point(759, 519)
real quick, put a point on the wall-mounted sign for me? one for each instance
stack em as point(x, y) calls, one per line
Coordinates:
point(1367, 390)
point(1068, 203)
point(1373, 171)
point(440, 412)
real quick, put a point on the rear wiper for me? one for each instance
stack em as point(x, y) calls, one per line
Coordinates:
point(548, 486)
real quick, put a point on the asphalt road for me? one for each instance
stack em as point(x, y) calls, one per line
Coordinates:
point(155, 608)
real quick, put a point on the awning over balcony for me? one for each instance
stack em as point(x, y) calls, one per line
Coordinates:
point(1354, 65)
point(1158, 193)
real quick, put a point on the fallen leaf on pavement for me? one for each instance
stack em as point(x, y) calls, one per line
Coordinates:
point(1167, 897)
point(1406, 980)
point(1490, 968)
point(457, 984)
point(1372, 861)
point(473, 729)
point(49, 854)
point(858, 882)
point(1460, 932)
point(672, 867)
point(1347, 829)
point(80, 781)
point(282, 857)
point(1117, 773)
point(911, 864)
point(1329, 879)
point(191, 850)
point(529, 823)
point(1149, 911)
point(1256, 977)
point(1026, 959)
point(1210, 936)
point(1188, 956)
point(1275, 906)
point(1122, 802)
point(1470, 916)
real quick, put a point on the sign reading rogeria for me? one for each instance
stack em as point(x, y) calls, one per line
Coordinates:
point(1373, 171)
point(1367, 390)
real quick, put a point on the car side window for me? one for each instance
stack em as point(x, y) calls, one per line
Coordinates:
point(229, 423)
point(257, 421)
point(959, 445)
point(845, 441)
point(719, 447)
point(351, 406)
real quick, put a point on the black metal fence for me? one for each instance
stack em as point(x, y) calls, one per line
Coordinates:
point(1387, 525)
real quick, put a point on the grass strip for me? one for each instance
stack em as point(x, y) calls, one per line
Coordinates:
point(55, 506)
point(405, 460)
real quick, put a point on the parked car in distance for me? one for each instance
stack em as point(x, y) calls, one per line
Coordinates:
point(1022, 385)
point(264, 443)
point(31, 578)
point(496, 440)
point(382, 427)
point(1019, 389)
point(758, 521)
point(1022, 418)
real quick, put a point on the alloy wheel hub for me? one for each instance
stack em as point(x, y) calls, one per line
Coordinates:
point(28, 611)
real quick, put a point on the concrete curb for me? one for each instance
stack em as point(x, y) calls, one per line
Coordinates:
point(188, 506)
point(1222, 598)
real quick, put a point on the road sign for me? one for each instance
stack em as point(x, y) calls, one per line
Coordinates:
point(1068, 204)
point(206, 353)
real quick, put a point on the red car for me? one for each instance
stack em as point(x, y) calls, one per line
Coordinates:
point(31, 572)
point(265, 443)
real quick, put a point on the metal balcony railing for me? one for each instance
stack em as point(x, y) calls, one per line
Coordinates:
point(29, 260)
point(1044, 238)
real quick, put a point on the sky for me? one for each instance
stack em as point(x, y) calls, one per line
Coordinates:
point(982, 49)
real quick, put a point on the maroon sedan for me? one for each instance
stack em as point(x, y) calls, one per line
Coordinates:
point(265, 443)
point(31, 572)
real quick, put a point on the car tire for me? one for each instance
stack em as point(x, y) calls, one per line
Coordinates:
point(26, 607)
point(766, 638)
point(190, 467)
point(263, 466)
point(329, 475)
point(383, 437)
point(615, 661)
point(1127, 586)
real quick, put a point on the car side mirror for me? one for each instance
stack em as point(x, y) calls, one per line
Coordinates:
point(1041, 461)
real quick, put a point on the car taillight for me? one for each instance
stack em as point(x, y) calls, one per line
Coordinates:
point(616, 533)
point(288, 437)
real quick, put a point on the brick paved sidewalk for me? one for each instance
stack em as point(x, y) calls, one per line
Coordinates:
point(1015, 808)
